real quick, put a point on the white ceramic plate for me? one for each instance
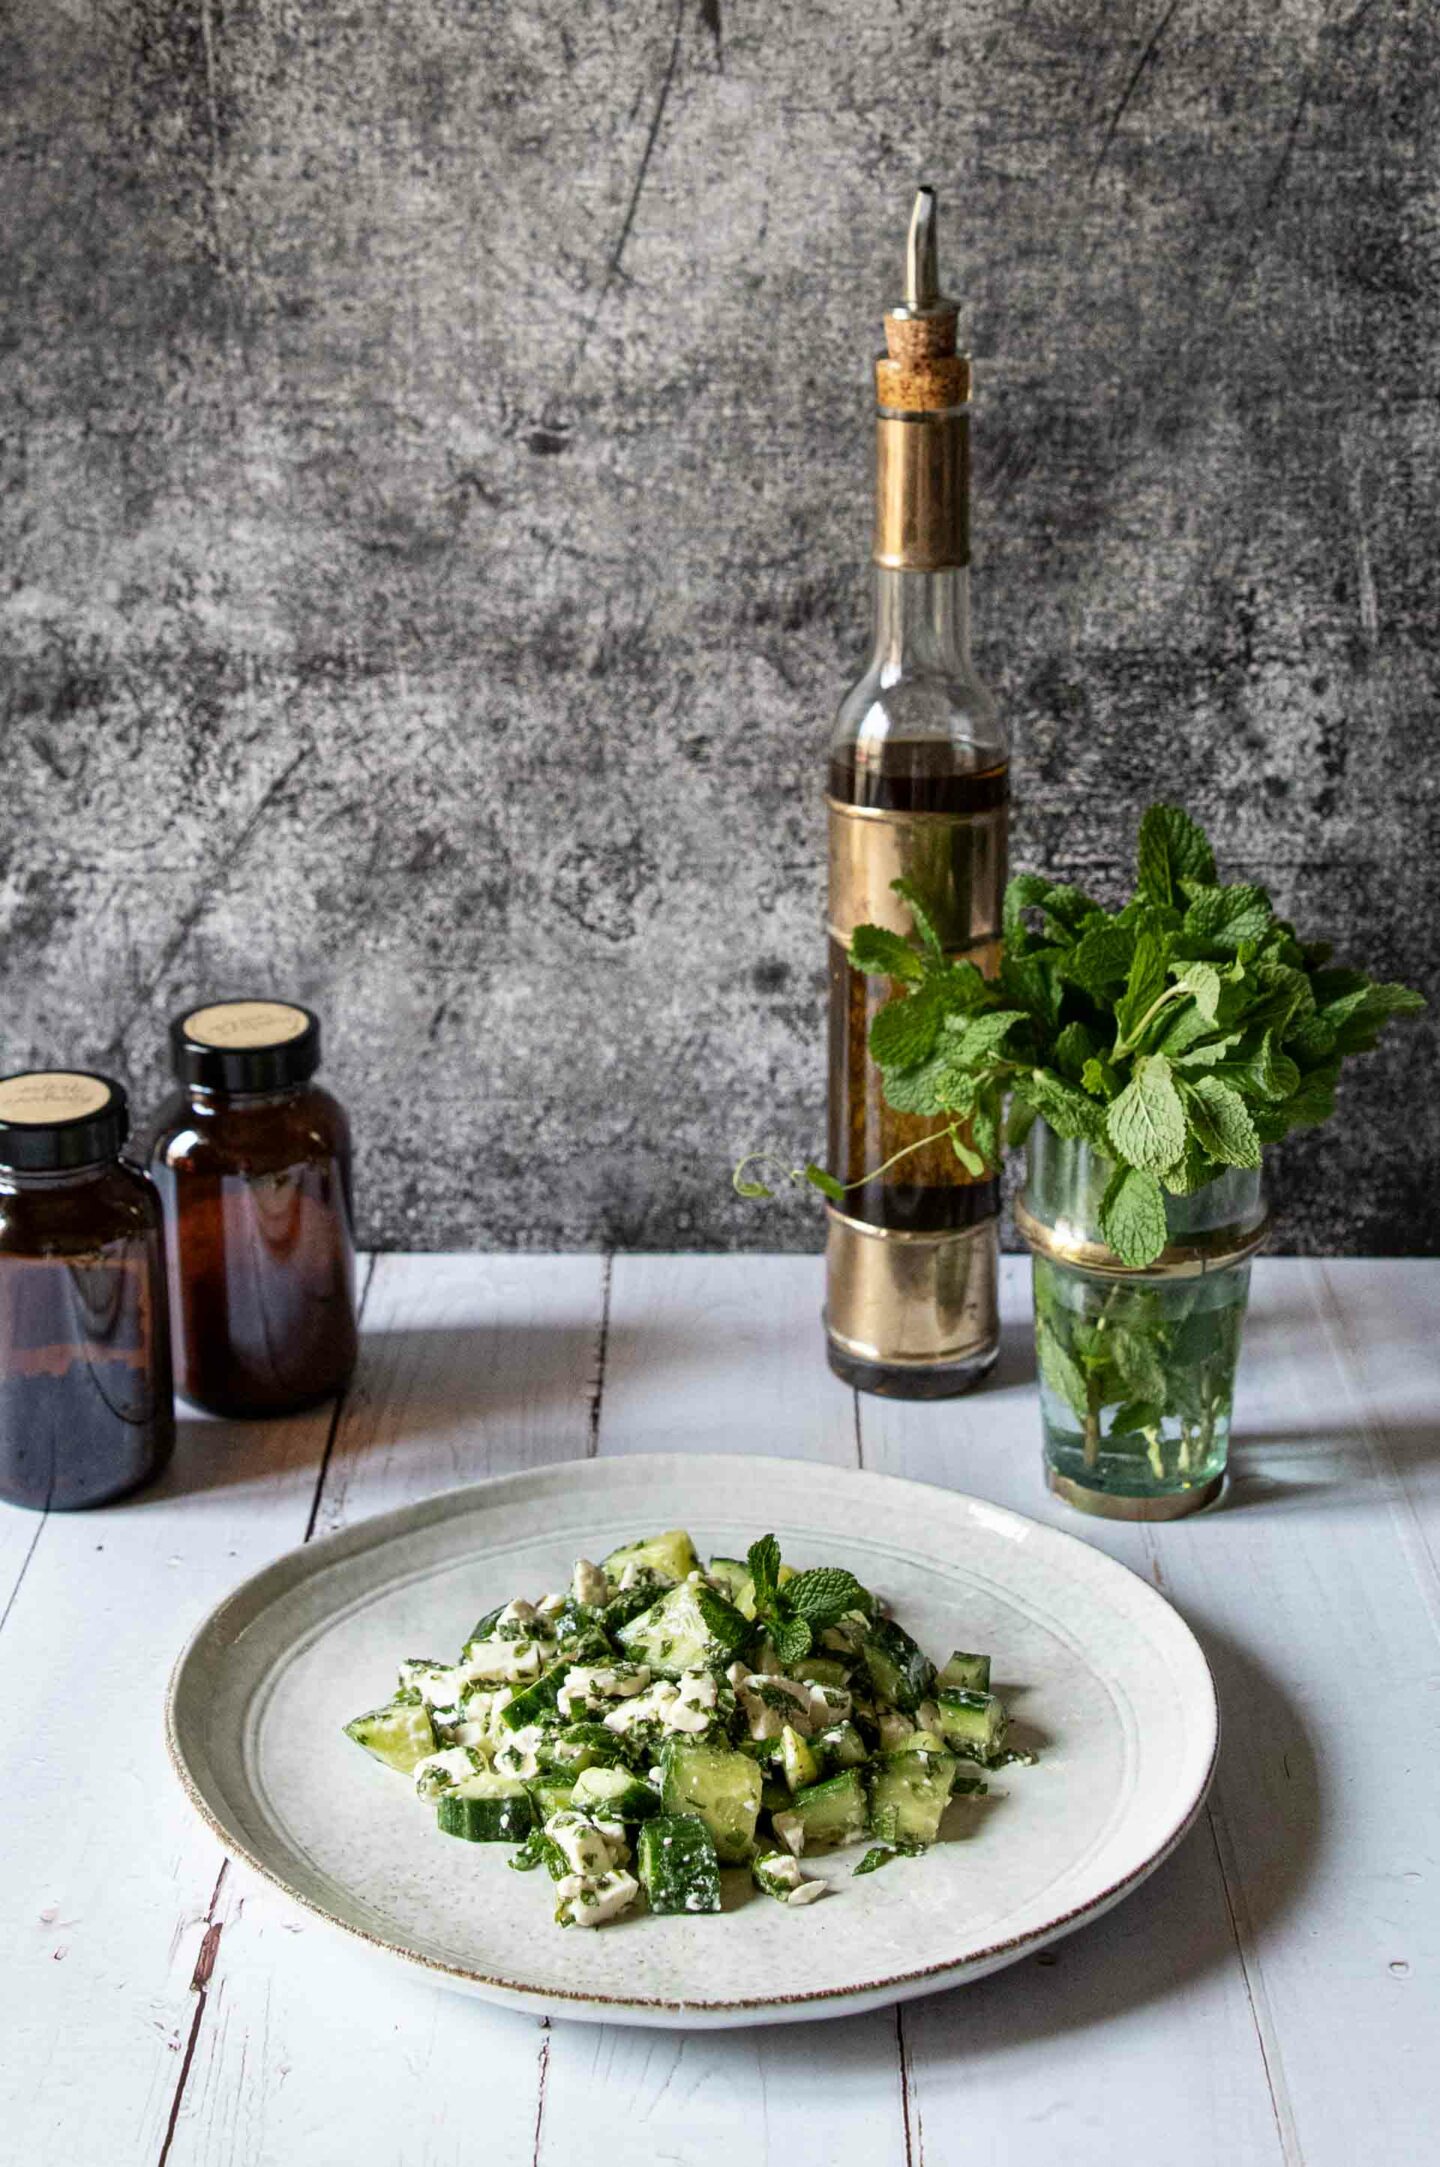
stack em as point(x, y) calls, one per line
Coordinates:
point(1101, 1675)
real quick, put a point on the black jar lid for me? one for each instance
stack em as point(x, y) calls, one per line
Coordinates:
point(52, 1119)
point(246, 1045)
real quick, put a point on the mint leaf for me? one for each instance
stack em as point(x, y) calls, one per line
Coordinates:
point(1059, 1368)
point(1073, 1050)
point(1069, 1112)
point(1221, 1122)
point(1132, 1216)
point(1025, 890)
point(880, 953)
point(1147, 981)
point(1136, 1415)
point(904, 1032)
point(1100, 959)
point(1228, 916)
point(790, 1637)
point(763, 1559)
point(919, 911)
point(824, 1594)
point(1275, 1075)
point(1203, 980)
point(880, 1854)
point(825, 1183)
point(1172, 848)
point(1146, 1124)
point(979, 1035)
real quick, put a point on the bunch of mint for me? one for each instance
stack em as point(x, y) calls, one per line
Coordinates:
point(1176, 1036)
point(794, 1612)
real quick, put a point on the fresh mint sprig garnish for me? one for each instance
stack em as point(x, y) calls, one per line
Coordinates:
point(796, 1611)
point(1176, 1036)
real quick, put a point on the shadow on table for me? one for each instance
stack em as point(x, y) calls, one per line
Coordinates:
point(1267, 1467)
point(485, 1385)
point(1199, 1915)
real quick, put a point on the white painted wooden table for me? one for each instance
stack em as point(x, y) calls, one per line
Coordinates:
point(1272, 1995)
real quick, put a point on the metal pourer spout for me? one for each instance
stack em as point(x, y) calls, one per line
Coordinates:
point(922, 274)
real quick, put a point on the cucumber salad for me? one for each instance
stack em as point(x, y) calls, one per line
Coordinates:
point(659, 1720)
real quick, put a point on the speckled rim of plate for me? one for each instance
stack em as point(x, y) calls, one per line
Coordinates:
point(227, 1620)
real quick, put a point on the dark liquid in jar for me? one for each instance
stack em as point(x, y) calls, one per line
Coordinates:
point(929, 1191)
point(261, 1254)
point(85, 1399)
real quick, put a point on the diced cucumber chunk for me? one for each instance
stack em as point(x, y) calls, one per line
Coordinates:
point(733, 1575)
point(678, 1865)
point(533, 1703)
point(971, 1672)
point(832, 1812)
point(722, 1787)
point(797, 1760)
point(486, 1809)
point(552, 1794)
point(615, 1792)
point(901, 1674)
point(400, 1735)
point(973, 1724)
point(841, 1746)
point(821, 1670)
point(672, 1553)
point(908, 1794)
point(690, 1628)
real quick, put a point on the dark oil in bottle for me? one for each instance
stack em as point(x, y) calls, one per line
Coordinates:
point(929, 1191)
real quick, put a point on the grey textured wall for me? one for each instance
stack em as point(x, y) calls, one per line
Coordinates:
point(436, 479)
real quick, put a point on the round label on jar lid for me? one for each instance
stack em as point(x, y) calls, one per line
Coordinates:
point(44, 1098)
point(241, 1024)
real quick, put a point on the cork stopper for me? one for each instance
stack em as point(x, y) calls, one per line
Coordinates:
point(921, 371)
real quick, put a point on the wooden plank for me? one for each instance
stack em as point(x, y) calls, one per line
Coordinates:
point(472, 1366)
point(109, 1877)
point(1145, 2015)
point(723, 1354)
point(1316, 1602)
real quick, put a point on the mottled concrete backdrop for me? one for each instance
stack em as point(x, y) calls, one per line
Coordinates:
point(436, 480)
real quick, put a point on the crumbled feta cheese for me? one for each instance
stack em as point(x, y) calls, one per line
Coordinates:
point(791, 1830)
point(516, 1620)
point(510, 1661)
point(585, 1848)
point(894, 1729)
point(693, 1710)
point(442, 1771)
point(770, 1702)
point(441, 1688)
point(588, 1584)
point(589, 1901)
point(687, 1705)
point(584, 1688)
point(518, 1756)
point(737, 1674)
point(808, 1891)
point(828, 1704)
point(550, 1606)
point(783, 1879)
point(927, 1717)
point(632, 1574)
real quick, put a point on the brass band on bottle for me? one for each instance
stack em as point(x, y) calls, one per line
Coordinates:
point(922, 489)
point(1115, 1505)
point(1192, 1258)
point(956, 861)
point(911, 1301)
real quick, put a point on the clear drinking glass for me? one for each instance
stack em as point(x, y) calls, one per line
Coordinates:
point(1136, 1366)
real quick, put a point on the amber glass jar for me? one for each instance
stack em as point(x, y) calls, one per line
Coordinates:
point(86, 1407)
point(252, 1160)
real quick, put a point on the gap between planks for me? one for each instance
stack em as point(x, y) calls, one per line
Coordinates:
point(214, 1925)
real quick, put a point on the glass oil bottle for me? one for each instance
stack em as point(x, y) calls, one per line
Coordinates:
point(918, 789)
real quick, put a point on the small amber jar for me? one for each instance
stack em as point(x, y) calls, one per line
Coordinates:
point(86, 1406)
point(252, 1160)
